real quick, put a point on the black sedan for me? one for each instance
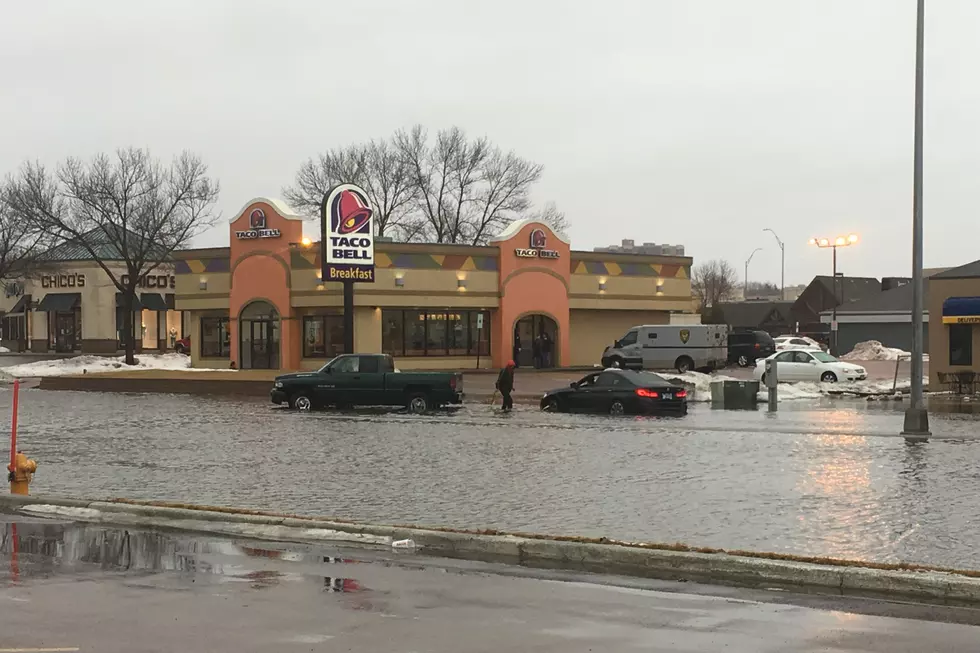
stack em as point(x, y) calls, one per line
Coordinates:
point(618, 392)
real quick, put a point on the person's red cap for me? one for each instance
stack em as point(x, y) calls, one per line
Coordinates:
point(511, 364)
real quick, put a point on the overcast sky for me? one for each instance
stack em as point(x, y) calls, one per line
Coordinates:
point(698, 122)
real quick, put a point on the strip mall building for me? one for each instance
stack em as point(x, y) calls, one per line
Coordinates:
point(261, 304)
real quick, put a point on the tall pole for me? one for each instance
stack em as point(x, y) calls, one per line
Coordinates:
point(745, 292)
point(833, 319)
point(916, 417)
point(782, 275)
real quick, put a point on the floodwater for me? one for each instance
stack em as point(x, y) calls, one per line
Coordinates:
point(826, 477)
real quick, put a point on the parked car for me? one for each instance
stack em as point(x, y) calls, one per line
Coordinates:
point(797, 342)
point(807, 365)
point(664, 347)
point(183, 346)
point(367, 380)
point(746, 347)
point(618, 392)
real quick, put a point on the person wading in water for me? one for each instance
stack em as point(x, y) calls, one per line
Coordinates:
point(505, 383)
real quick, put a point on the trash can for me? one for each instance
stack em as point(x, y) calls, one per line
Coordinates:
point(734, 394)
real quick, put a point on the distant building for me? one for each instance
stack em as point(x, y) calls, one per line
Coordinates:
point(649, 249)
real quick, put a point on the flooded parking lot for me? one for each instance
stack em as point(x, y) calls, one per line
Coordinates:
point(827, 477)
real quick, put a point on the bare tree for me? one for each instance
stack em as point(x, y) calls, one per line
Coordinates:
point(713, 282)
point(21, 244)
point(466, 190)
point(128, 209)
point(551, 216)
point(378, 168)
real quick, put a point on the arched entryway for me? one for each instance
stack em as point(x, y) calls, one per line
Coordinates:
point(258, 332)
point(536, 341)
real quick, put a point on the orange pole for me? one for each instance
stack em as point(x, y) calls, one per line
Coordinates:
point(13, 428)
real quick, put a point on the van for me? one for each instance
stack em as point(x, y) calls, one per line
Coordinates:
point(746, 347)
point(663, 347)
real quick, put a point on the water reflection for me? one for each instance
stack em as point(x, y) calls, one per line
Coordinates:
point(41, 549)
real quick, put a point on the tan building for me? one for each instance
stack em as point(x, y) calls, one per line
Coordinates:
point(953, 303)
point(260, 303)
point(72, 306)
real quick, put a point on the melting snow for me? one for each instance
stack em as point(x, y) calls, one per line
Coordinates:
point(100, 365)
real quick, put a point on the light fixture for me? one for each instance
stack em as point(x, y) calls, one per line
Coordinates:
point(602, 285)
point(399, 281)
point(838, 241)
point(305, 241)
point(853, 238)
point(203, 285)
point(319, 274)
point(461, 284)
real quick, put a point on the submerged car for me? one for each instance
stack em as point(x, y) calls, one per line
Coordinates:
point(806, 365)
point(618, 392)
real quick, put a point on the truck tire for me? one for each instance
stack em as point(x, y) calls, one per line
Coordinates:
point(418, 403)
point(301, 402)
point(618, 362)
point(684, 364)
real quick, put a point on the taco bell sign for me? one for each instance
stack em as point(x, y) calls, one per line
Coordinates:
point(348, 244)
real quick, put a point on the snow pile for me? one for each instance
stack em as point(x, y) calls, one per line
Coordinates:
point(4, 350)
point(101, 365)
point(872, 350)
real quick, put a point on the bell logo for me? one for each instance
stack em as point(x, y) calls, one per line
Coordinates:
point(256, 219)
point(350, 213)
point(538, 239)
point(685, 335)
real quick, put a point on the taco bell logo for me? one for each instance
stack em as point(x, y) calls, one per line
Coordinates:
point(538, 242)
point(348, 234)
point(257, 227)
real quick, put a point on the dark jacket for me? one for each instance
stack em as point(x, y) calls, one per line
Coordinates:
point(505, 380)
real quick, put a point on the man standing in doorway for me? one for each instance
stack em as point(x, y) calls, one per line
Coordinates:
point(546, 345)
point(505, 384)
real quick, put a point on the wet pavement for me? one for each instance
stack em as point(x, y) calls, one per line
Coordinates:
point(83, 588)
point(826, 477)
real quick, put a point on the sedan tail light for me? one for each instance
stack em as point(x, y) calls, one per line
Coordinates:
point(680, 394)
point(758, 346)
point(650, 394)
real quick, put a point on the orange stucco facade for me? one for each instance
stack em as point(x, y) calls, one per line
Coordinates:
point(260, 301)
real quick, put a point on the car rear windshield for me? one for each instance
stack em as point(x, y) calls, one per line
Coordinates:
point(648, 378)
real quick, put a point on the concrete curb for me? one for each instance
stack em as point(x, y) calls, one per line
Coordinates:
point(929, 585)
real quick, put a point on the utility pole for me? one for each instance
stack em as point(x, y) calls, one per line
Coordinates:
point(916, 417)
point(782, 276)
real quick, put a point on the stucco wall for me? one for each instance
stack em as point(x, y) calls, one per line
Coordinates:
point(594, 330)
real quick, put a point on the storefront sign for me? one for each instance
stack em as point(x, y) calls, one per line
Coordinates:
point(349, 237)
point(153, 281)
point(961, 319)
point(257, 227)
point(538, 247)
point(64, 280)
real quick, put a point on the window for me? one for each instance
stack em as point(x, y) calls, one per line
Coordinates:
point(369, 364)
point(801, 357)
point(609, 379)
point(215, 339)
point(628, 339)
point(442, 332)
point(346, 364)
point(785, 357)
point(961, 344)
point(652, 336)
point(393, 333)
point(436, 332)
point(323, 336)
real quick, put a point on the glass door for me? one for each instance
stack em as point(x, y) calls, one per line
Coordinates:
point(264, 344)
point(64, 332)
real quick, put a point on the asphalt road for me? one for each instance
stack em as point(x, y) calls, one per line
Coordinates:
point(83, 588)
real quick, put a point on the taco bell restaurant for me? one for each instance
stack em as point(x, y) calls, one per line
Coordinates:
point(260, 303)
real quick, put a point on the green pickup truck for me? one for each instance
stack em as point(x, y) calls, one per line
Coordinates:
point(367, 380)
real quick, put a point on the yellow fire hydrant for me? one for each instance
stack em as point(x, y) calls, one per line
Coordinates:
point(22, 473)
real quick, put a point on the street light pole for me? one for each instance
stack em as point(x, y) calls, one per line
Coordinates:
point(745, 293)
point(822, 243)
point(916, 417)
point(782, 275)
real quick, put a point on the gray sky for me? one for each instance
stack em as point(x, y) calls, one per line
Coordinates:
point(674, 121)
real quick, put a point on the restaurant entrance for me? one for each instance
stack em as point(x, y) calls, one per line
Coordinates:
point(259, 341)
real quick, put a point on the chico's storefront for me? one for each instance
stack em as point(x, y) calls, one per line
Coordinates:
point(73, 307)
point(260, 304)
